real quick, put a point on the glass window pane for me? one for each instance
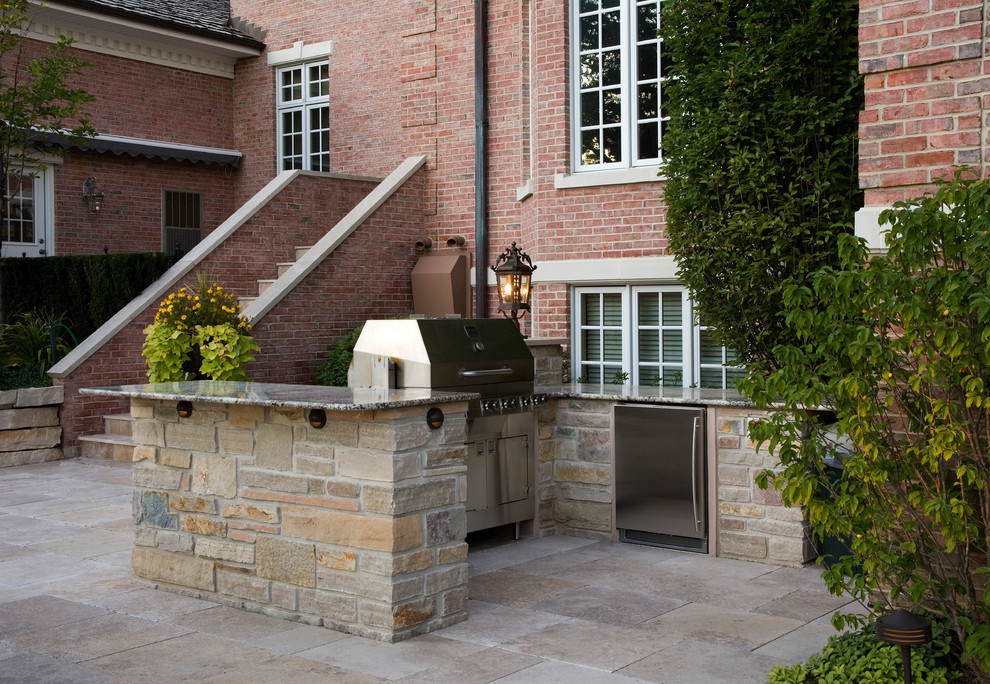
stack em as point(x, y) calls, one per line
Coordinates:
point(611, 68)
point(610, 29)
point(591, 343)
point(589, 5)
point(590, 147)
point(591, 306)
point(672, 309)
point(646, 62)
point(648, 101)
point(649, 308)
point(711, 353)
point(612, 144)
point(673, 377)
point(649, 345)
point(649, 141)
point(611, 107)
point(610, 3)
point(589, 109)
point(711, 377)
point(612, 340)
point(646, 21)
point(673, 346)
point(612, 308)
point(589, 71)
point(592, 373)
point(589, 32)
point(649, 375)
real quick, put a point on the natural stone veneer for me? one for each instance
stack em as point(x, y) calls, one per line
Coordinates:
point(358, 526)
point(29, 427)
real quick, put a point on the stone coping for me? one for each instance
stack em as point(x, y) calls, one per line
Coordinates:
point(647, 394)
point(275, 394)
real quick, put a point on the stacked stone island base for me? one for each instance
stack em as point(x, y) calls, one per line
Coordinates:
point(358, 525)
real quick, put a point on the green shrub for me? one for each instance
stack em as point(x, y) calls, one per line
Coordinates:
point(760, 153)
point(898, 346)
point(26, 342)
point(861, 658)
point(333, 371)
point(16, 377)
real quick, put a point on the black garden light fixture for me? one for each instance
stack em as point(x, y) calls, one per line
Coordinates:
point(904, 629)
point(184, 408)
point(317, 418)
point(514, 271)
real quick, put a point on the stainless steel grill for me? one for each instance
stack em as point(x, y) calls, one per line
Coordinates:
point(486, 356)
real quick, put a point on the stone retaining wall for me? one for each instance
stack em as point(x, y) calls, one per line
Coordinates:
point(358, 526)
point(29, 426)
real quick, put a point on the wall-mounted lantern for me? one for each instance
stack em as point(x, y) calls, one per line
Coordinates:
point(514, 272)
point(93, 197)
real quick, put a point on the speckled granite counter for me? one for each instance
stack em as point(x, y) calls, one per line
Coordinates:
point(354, 520)
point(292, 396)
point(647, 394)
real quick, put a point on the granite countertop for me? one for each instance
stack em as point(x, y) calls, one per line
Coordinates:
point(274, 394)
point(647, 394)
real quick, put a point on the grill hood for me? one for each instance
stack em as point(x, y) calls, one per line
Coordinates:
point(486, 355)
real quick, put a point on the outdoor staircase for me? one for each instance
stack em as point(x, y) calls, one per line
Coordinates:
point(115, 444)
point(263, 285)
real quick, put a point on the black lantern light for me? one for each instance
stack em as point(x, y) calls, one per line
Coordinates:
point(514, 271)
point(904, 629)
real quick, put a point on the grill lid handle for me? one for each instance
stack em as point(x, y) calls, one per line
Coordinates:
point(480, 373)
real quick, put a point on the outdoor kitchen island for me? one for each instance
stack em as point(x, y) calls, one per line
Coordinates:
point(327, 505)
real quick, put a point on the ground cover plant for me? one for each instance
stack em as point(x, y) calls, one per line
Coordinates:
point(898, 348)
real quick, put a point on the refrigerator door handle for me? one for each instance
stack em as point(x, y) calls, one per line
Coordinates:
point(694, 473)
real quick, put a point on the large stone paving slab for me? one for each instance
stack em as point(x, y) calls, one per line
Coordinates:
point(291, 669)
point(517, 589)
point(152, 604)
point(41, 612)
point(698, 662)
point(490, 624)
point(35, 668)
point(392, 661)
point(478, 668)
point(738, 629)
point(609, 605)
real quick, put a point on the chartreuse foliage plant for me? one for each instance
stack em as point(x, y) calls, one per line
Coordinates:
point(898, 347)
point(861, 658)
point(759, 154)
point(199, 333)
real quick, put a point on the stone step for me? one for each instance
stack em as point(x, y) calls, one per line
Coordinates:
point(301, 252)
point(118, 425)
point(244, 301)
point(108, 447)
point(264, 285)
point(284, 266)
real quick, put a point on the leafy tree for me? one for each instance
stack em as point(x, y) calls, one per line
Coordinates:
point(898, 347)
point(36, 97)
point(760, 153)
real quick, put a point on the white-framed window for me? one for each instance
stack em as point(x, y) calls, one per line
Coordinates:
point(645, 335)
point(182, 221)
point(617, 82)
point(28, 218)
point(304, 116)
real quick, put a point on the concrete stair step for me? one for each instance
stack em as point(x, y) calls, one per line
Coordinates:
point(108, 447)
point(264, 285)
point(284, 266)
point(119, 425)
point(244, 301)
point(301, 252)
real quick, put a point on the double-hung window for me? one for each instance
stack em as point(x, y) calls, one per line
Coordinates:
point(304, 117)
point(617, 80)
point(646, 335)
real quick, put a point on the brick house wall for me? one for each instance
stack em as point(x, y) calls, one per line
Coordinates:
point(927, 88)
point(368, 276)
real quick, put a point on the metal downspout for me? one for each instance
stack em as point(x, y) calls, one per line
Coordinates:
point(480, 159)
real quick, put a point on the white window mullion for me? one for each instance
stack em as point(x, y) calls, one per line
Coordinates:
point(303, 112)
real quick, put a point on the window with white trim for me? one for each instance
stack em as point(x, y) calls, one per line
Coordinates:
point(304, 117)
point(28, 224)
point(617, 78)
point(182, 221)
point(646, 335)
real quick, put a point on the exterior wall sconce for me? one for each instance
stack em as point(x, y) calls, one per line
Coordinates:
point(93, 197)
point(904, 629)
point(514, 271)
point(317, 418)
point(184, 409)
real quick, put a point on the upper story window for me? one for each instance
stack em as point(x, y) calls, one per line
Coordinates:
point(28, 225)
point(304, 117)
point(617, 74)
point(646, 335)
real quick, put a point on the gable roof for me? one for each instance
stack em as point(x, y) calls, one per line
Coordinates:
point(208, 18)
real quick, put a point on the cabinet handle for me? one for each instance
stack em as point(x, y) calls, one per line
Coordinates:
point(694, 471)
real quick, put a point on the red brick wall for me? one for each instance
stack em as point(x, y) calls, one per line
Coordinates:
point(926, 88)
point(131, 218)
point(368, 275)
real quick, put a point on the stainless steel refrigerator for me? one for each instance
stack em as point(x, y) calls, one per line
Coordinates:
point(660, 475)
